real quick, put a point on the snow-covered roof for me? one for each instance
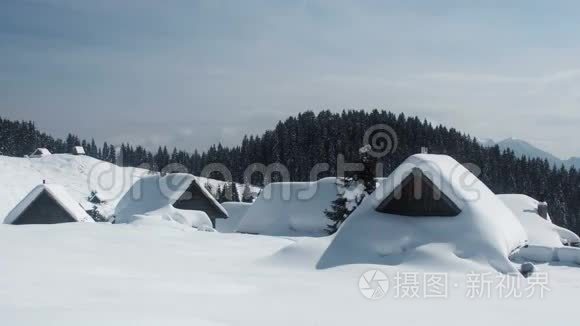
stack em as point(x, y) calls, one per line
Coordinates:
point(56, 192)
point(209, 196)
point(485, 230)
point(79, 150)
point(540, 231)
point(39, 152)
point(291, 209)
point(158, 193)
point(236, 212)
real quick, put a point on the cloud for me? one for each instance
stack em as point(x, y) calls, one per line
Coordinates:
point(194, 73)
point(554, 77)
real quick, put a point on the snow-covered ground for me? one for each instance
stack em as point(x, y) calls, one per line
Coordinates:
point(159, 272)
point(95, 274)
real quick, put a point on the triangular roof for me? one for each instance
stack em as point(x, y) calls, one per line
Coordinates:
point(418, 196)
point(540, 232)
point(152, 193)
point(60, 196)
point(40, 152)
point(195, 184)
point(78, 150)
point(484, 230)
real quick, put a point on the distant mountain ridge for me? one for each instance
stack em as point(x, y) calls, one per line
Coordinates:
point(523, 148)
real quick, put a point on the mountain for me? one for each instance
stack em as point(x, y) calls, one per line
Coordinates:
point(573, 161)
point(523, 148)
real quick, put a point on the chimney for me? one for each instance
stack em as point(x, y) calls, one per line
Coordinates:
point(424, 150)
point(543, 210)
point(43, 181)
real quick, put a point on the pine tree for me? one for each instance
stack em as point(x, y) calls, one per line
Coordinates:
point(209, 188)
point(94, 198)
point(96, 215)
point(339, 208)
point(247, 196)
point(338, 211)
point(234, 191)
point(367, 177)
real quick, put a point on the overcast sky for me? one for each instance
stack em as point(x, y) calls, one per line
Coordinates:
point(192, 73)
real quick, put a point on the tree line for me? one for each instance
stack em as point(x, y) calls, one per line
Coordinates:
point(301, 141)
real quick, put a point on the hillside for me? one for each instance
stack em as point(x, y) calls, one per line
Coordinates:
point(78, 174)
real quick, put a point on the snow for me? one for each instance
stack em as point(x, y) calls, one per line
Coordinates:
point(143, 274)
point(485, 233)
point(40, 152)
point(59, 194)
point(236, 211)
point(291, 209)
point(158, 270)
point(79, 150)
point(540, 231)
point(545, 239)
point(153, 197)
point(79, 175)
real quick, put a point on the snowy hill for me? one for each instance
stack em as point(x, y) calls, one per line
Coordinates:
point(78, 174)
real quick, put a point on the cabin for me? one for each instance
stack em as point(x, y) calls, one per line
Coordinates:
point(291, 209)
point(47, 204)
point(546, 241)
point(418, 196)
point(430, 208)
point(40, 152)
point(197, 198)
point(78, 150)
point(175, 196)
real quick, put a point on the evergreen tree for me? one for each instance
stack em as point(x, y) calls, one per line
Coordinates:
point(234, 191)
point(247, 194)
point(96, 215)
point(209, 188)
point(339, 210)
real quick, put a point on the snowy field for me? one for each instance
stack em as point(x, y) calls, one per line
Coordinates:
point(96, 274)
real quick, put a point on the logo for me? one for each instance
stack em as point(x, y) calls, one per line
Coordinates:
point(380, 140)
point(373, 284)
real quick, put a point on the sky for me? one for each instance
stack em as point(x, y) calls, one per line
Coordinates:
point(194, 73)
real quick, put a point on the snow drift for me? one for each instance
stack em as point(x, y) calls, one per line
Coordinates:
point(484, 232)
point(291, 209)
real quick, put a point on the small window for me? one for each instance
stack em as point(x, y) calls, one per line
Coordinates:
point(418, 196)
